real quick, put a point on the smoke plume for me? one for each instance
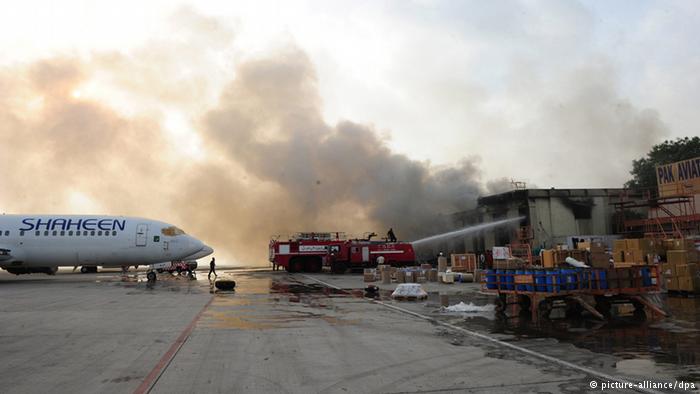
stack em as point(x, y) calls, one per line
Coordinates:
point(252, 156)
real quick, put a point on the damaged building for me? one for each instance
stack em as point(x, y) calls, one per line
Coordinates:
point(549, 217)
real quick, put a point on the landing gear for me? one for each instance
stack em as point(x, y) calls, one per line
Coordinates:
point(151, 276)
point(88, 269)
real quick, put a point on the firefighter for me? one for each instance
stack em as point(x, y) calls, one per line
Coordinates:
point(212, 268)
point(390, 235)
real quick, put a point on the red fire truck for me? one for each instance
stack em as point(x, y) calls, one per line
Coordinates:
point(310, 252)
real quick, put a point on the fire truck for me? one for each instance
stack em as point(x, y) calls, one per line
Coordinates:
point(310, 252)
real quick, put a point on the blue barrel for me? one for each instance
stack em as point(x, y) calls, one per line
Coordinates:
point(585, 275)
point(501, 280)
point(550, 281)
point(510, 279)
point(540, 280)
point(574, 279)
point(520, 287)
point(602, 280)
point(491, 280)
point(566, 281)
point(529, 287)
point(646, 277)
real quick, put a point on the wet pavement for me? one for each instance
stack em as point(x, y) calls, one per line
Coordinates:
point(628, 346)
point(277, 332)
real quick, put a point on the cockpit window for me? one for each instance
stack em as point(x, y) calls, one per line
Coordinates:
point(172, 231)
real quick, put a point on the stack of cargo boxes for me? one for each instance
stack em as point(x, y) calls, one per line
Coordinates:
point(681, 269)
point(555, 257)
point(630, 252)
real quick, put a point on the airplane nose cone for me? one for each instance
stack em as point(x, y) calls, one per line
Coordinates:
point(206, 250)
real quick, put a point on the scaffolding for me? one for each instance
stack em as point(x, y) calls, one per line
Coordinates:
point(670, 216)
point(522, 247)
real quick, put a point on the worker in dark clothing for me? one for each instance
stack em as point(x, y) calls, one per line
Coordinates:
point(212, 268)
point(390, 235)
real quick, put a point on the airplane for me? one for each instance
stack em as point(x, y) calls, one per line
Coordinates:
point(42, 243)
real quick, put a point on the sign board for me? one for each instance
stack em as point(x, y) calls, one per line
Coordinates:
point(679, 178)
point(501, 253)
point(313, 248)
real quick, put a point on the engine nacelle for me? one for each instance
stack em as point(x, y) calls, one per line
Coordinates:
point(32, 270)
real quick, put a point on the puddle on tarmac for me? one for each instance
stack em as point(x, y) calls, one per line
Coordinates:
point(255, 299)
point(647, 347)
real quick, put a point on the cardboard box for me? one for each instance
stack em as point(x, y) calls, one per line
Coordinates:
point(639, 244)
point(681, 270)
point(685, 283)
point(667, 244)
point(583, 246)
point(620, 244)
point(693, 271)
point(683, 244)
point(672, 284)
point(548, 258)
point(618, 255)
point(600, 260)
point(635, 256)
point(681, 256)
point(598, 247)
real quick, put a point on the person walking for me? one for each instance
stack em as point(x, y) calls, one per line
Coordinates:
point(212, 268)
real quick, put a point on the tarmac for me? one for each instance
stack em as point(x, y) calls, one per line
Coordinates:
point(296, 333)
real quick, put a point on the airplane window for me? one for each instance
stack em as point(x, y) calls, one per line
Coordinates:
point(63, 233)
point(156, 238)
point(37, 233)
point(21, 233)
point(46, 233)
point(92, 232)
point(172, 231)
point(77, 233)
point(55, 233)
point(107, 233)
point(85, 233)
point(114, 233)
point(99, 233)
point(70, 233)
point(7, 233)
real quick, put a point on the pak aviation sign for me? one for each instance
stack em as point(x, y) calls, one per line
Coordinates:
point(679, 178)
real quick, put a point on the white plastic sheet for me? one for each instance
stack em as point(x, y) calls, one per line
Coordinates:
point(409, 290)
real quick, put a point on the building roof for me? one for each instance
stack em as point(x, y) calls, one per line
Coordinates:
point(521, 194)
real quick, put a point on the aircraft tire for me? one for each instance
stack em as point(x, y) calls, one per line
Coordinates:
point(151, 276)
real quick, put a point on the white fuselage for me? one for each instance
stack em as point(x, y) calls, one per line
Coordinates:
point(71, 240)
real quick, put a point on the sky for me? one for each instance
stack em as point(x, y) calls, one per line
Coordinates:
point(280, 116)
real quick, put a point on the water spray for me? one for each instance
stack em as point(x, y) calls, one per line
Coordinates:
point(466, 230)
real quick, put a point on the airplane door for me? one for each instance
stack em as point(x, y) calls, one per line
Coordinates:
point(141, 234)
point(365, 254)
